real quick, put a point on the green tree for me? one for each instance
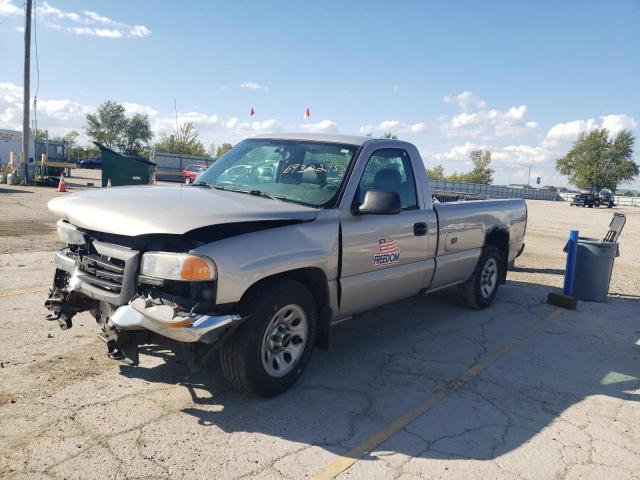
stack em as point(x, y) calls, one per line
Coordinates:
point(71, 138)
point(436, 173)
point(184, 140)
point(598, 161)
point(481, 172)
point(39, 134)
point(222, 149)
point(390, 136)
point(110, 127)
point(73, 150)
point(136, 136)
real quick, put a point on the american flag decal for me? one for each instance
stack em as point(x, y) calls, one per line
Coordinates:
point(388, 252)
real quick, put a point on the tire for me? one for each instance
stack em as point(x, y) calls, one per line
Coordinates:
point(268, 309)
point(591, 206)
point(610, 205)
point(473, 292)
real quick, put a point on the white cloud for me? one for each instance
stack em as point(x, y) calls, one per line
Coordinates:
point(465, 101)
point(488, 124)
point(325, 126)
point(134, 108)
point(477, 121)
point(616, 123)
point(9, 8)
point(519, 155)
point(458, 153)
point(254, 86)
point(570, 130)
point(88, 23)
point(98, 32)
point(58, 116)
point(393, 126)
point(270, 125)
point(139, 31)
point(232, 122)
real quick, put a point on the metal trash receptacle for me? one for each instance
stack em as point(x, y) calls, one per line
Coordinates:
point(594, 264)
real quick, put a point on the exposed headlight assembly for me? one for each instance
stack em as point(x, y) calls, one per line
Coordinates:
point(178, 266)
point(69, 234)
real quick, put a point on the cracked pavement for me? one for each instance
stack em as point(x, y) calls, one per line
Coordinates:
point(562, 404)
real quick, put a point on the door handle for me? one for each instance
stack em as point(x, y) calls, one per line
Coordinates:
point(419, 229)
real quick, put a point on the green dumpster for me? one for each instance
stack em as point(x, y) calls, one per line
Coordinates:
point(125, 169)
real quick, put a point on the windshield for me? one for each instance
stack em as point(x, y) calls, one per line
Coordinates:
point(310, 173)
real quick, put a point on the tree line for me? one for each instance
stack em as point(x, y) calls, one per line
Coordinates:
point(110, 126)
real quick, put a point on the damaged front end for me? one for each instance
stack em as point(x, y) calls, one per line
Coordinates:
point(138, 296)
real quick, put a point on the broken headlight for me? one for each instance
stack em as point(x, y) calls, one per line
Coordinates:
point(178, 266)
point(69, 234)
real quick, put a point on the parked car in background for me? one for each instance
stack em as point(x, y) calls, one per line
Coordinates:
point(606, 198)
point(586, 198)
point(92, 163)
point(192, 171)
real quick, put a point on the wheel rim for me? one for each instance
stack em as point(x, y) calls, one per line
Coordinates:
point(489, 278)
point(284, 340)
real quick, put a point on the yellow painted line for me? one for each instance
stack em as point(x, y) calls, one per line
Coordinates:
point(23, 291)
point(344, 462)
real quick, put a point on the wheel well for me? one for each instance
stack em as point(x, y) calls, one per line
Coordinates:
point(499, 238)
point(316, 281)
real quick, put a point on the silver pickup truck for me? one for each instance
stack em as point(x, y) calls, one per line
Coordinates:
point(281, 237)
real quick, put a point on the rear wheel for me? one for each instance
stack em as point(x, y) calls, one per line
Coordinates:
point(269, 352)
point(480, 290)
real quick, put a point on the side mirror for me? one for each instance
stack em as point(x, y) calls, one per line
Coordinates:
point(379, 202)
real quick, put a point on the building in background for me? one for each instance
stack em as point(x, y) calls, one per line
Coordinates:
point(11, 141)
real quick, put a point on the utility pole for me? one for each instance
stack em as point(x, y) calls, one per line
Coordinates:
point(26, 83)
point(529, 179)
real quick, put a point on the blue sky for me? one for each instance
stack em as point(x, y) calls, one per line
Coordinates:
point(522, 79)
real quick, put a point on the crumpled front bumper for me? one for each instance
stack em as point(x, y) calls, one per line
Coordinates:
point(149, 314)
point(162, 319)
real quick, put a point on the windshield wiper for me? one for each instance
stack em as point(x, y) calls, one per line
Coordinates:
point(202, 184)
point(260, 193)
point(257, 193)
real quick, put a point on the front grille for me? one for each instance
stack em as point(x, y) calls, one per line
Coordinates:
point(107, 272)
point(103, 272)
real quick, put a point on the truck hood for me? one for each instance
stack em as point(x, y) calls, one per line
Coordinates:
point(142, 210)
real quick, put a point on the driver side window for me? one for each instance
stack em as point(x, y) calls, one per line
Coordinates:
point(389, 169)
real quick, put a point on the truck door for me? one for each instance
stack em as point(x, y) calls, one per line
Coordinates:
point(384, 257)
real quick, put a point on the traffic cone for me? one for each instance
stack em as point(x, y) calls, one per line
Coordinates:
point(109, 183)
point(62, 186)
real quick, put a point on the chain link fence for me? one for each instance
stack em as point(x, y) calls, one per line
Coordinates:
point(447, 191)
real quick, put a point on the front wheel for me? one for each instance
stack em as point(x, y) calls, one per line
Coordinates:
point(480, 290)
point(269, 352)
